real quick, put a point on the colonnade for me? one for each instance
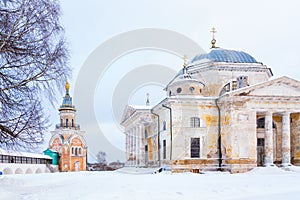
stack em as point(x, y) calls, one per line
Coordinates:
point(285, 140)
point(135, 146)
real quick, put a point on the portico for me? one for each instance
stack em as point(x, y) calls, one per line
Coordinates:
point(276, 138)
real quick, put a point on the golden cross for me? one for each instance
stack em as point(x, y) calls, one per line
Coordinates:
point(213, 31)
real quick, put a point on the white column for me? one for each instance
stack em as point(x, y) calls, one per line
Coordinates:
point(268, 139)
point(130, 146)
point(126, 146)
point(285, 140)
point(139, 144)
point(142, 146)
point(135, 146)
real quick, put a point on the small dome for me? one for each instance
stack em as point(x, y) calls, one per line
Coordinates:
point(224, 55)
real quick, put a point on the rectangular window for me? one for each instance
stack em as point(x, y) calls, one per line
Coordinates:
point(195, 147)
point(234, 85)
point(195, 122)
point(164, 149)
point(18, 159)
point(5, 159)
point(261, 142)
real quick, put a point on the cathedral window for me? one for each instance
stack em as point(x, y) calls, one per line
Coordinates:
point(72, 150)
point(234, 85)
point(179, 90)
point(195, 122)
point(164, 125)
point(192, 89)
point(67, 122)
point(260, 123)
point(225, 89)
point(195, 147)
point(242, 81)
point(79, 151)
point(164, 149)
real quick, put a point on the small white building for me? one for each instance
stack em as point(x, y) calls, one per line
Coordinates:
point(12, 162)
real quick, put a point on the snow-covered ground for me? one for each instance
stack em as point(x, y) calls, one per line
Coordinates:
point(261, 183)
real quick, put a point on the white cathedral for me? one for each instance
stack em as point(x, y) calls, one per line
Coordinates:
point(221, 112)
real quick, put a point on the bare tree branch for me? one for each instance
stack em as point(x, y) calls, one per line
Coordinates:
point(33, 65)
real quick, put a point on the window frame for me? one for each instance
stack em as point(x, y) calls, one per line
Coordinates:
point(195, 147)
point(164, 149)
point(195, 122)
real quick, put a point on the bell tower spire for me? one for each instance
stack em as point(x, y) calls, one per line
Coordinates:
point(67, 111)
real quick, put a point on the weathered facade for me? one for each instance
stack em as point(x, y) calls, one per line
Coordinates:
point(68, 140)
point(222, 111)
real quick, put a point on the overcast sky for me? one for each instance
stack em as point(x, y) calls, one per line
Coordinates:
point(267, 30)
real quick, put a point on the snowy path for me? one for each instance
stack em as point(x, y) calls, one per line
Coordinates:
point(258, 184)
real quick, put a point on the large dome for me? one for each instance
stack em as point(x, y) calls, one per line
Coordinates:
point(224, 55)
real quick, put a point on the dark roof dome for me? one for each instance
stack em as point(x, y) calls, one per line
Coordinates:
point(225, 55)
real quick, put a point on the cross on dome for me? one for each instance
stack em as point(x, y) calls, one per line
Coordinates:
point(213, 41)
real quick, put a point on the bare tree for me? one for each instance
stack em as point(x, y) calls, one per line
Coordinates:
point(101, 157)
point(33, 65)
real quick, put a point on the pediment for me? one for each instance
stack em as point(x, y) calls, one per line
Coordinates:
point(283, 87)
point(128, 111)
point(278, 89)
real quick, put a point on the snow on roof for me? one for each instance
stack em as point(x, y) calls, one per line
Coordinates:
point(141, 107)
point(23, 154)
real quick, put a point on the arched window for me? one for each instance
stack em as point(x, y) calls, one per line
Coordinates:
point(225, 89)
point(72, 122)
point(67, 122)
point(61, 122)
point(72, 149)
point(79, 151)
point(233, 85)
point(195, 122)
point(76, 151)
point(164, 125)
